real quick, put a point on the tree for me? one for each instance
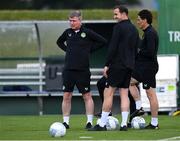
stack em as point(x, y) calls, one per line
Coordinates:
point(63, 4)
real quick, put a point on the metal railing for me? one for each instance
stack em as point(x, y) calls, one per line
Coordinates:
point(31, 77)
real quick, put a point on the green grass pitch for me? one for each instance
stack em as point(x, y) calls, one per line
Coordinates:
point(36, 128)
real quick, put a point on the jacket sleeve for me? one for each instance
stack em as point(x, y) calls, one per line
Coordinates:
point(113, 46)
point(61, 42)
point(98, 40)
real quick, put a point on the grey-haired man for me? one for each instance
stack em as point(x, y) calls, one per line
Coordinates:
point(78, 42)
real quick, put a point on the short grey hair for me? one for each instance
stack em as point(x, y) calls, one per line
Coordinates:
point(75, 13)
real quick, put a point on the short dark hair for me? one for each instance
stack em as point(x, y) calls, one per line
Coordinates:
point(146, 14)
point(75, 13)
point(122, 9)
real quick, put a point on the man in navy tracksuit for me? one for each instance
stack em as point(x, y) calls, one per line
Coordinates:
point(78, 42)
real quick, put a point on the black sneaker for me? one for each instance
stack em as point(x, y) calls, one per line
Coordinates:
point(124, 128)
point(150, 126)
point(97, 127)
point(88, 125)
point(110, 114)
point(66, 125)
point(139, 112)
point(129, 125)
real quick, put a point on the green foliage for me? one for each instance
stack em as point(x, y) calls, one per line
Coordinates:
point(93, 14)
point(16, 15)
point(63, 4)
point(36, 128)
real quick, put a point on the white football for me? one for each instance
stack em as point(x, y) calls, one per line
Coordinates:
point(116, 121)
point(138, 122)
point(111, 124)
point(57, 129)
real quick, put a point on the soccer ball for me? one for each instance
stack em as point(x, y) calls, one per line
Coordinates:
point(138, 122)
point(113, 120)
point(111, 124)
point(57, 129)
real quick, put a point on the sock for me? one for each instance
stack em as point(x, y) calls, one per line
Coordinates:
point(66, 119)
point(104, 117)
point(124, 118)
point(90, 118)
point(138, 104)
point(154, 121)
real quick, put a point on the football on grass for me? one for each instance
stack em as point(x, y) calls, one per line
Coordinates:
point(57, 129)
point(138, 122)
point(111, 124)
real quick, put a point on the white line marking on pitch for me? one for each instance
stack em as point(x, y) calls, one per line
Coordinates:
point(85, 137)
point(173, 138)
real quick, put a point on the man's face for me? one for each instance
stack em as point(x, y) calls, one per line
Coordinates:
point(141, 23)
point(75, 23)
point(117, 14)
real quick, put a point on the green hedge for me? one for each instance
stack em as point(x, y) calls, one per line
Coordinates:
point(97, 14)
point(93, 14)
